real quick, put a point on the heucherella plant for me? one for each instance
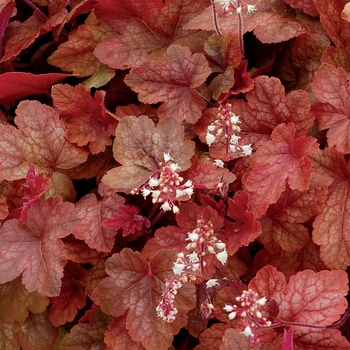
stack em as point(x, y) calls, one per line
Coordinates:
point(189, 267)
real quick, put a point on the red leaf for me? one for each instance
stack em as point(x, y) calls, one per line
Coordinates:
point(117, 336)
point(86, 117)
point(35, 186)
point(267, 106)
point(16, 85)
point(245, 228)
point(172, 80)
point(52, 155)
point(307, 6)
point(282, 224)
point(140, 146)
point(128, 220)
point(331, 87)
point(72, 296)
point(146, 29)
point(76, 55)
point(35, 248)
point(338, 32)
point(331, 225)
point(131, 274)
point(308, 298)
point(278, 162)
point(88, 335)
point(92, 213)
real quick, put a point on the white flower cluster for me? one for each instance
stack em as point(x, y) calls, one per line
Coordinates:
point(225, 127)
point(165, 186)
point(248, 308)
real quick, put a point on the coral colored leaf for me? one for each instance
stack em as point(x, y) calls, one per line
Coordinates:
point(307, 6)
point(35, 248)
point(324, 339)
point(37, 333)
point(333, 222)
point(117, 336)
point(88, 335)
point(137, 284)
point(273, 21)
point(140, 146)
point(76, 54)
point(172, 80)
point(40, 140)
point(226, 57)
point(310, 297)
point(267, 106)
point(21, 35)
point(299, 60)
point(16, 302)
point(128, 220)
point(146, 30)
point(233, 339)
point(92, 213)
point(278, 162)
point(16, 85)
point(85, 116)
point(331, 87)
point(282, 224)
point(337, 30)
point(245, 228)
point(72, 297)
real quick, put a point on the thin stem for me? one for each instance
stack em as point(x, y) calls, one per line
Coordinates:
point(215, 19)
point(38, 11)
point(240, 29)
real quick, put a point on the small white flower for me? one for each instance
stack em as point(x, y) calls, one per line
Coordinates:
point(232, 315)
point(211, 283)
point(234, 119)
point(188, 183)
point(222, 257)
point(251, 8)
point(176, 209)
point(234, 139)
point(258, 314)
point(220, 245)
point(156, 194)
point(211, 127)
point(174, 167)
point(239, 9)
point(145, 192)
point(193, 257)
point(153, 182)
point(262, 301)
point(178, 268)
point(247, 332)
point(228, 308)
point(247, 150)
point(179, 193)
point(166, 206)
point(189, 191)
point(209, 138)
point(166, 157)
point(219, 163)
point(192, 236)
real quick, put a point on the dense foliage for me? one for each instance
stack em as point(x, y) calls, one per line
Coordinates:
point(174, 174)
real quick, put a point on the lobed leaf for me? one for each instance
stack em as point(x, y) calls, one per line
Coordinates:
point(172, 80)
point(35, 248)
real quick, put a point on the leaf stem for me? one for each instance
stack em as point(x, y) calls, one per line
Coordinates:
point(37, 10)
point(215, 19)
